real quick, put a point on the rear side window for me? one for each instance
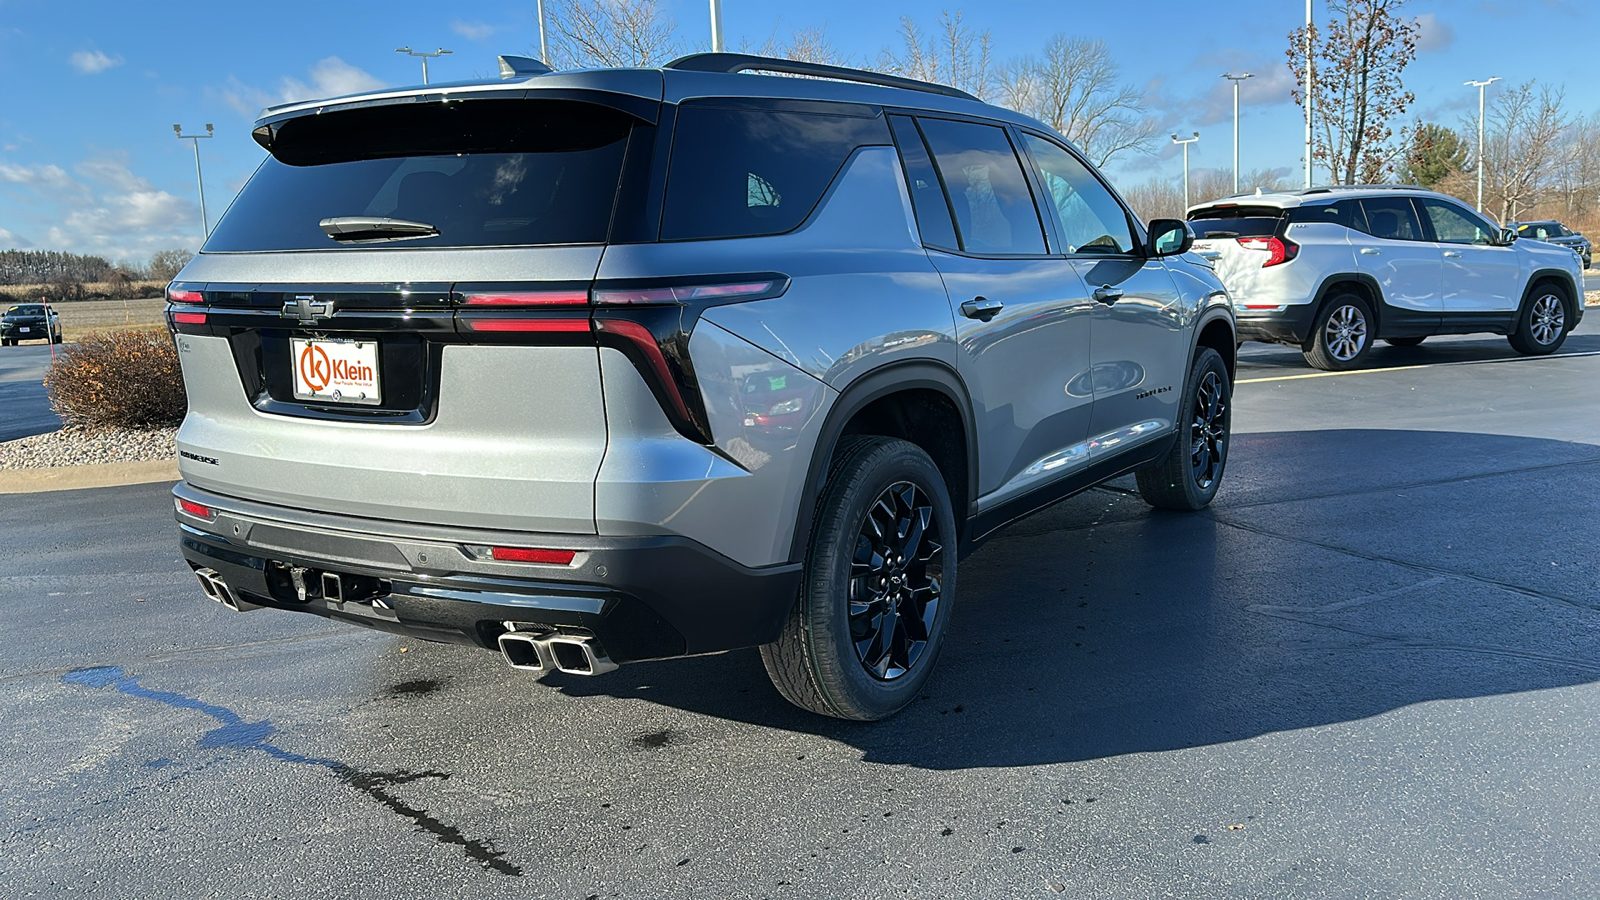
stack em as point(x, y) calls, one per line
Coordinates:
point(988, 192)
point(927, 196)
point(1391, 218)
point(1345, 212)
point(743, 172)
point(481, 173)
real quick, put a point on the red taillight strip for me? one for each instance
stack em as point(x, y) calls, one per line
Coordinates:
point(179, 295)
point(640, 337)
point(626, 296)
point(529, 298)
point(525, 325)
point(533, 555)
point(189, 318)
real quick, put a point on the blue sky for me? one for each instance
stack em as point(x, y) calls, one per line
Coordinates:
point(89, 90)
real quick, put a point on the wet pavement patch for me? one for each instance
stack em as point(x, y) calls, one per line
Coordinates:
point(417, 688)
point(235, 733)
point(655, 740)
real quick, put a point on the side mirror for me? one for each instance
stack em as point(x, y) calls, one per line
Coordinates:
point(1505, 237)
point(1169, 237)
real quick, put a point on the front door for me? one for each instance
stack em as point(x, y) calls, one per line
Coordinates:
point(1477, 276)
point(1140, 355)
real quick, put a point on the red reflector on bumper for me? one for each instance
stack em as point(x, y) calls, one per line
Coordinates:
point(189, 318)
point(195, 509)
point(533, 555)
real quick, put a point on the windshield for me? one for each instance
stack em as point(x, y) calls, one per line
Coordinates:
point(33, 310)
point(478, 173)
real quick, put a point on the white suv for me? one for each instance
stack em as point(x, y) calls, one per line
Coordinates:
point(1330, 270)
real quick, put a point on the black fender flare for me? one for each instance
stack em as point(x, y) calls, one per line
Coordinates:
point(1320, 298)
point(1207, 316)
point(1564, 278)
point(923, 374)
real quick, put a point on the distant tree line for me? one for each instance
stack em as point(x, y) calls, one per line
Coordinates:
point(69, 269)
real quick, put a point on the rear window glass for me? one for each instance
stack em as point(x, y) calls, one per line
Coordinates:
point(1226, 228)
point(480, 173)
point(743, 172)
point(1345, 212)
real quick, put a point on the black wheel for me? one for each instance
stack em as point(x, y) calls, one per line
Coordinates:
point(1544, 321)
point(1343, 334)
point(1405, 341)
point(880, 575)
point(57, 339)
point(1190, 475)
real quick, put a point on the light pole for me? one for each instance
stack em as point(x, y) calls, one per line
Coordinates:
point(1480, 85)
point(1185, 142)
point(205, 223)
point(716, 26)
point(1310, 95)
point(441, 51)
point(1236, 79)
point(544, 45)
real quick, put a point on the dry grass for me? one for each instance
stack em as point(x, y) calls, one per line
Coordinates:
point(90, 291)
point(81, 318)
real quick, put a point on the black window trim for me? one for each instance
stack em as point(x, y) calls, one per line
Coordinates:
point(1006, 128)
point(1135, 228)
point(1433, 234)
point(944, 190)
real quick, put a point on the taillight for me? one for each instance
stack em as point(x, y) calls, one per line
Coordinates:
point(1279, 250)
point(749, 290)
point(195, 509)
point(645, 343)
point(504, 326)
point(177, 294)
point(533, 555)
point(527, 298)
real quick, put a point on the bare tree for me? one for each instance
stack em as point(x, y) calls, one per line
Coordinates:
point(954, 54)
point(1162, 198)
point(1523, 145)
point(810, 44)
point(616, 33)
point(1074, 88)
point(1359, 57)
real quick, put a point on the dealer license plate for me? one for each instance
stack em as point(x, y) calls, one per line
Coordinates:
point(341, 371)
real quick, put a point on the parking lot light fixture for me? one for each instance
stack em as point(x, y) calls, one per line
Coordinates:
point(1185, 142)
point(1236, 79)
point(1480, 85)
point(205, 224)
point(425, 55)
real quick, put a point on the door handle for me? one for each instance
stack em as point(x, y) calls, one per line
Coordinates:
point(1452, 254)
point(981, 309)
point(1371, 251)
point(1107, 294)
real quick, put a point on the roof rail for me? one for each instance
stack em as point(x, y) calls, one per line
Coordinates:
point(743, 62)
point(1331, 188)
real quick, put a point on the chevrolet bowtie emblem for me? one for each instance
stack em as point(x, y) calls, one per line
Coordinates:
point(307, 309)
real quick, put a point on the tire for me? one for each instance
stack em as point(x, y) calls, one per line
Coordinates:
point(1188, 478)
point(1405, 341)
point(1342, 335)
point(57, 339)
point(869, 665)
point(1544, 321)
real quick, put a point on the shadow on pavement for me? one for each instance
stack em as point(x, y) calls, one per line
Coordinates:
point(1341, 575)
point(1444, 349)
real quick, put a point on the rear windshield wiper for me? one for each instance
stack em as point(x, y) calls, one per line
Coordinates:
point(357, 229)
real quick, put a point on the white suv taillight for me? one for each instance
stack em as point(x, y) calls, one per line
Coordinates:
point(1281, 250)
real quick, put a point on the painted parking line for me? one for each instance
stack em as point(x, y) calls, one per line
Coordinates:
point(1438, 365)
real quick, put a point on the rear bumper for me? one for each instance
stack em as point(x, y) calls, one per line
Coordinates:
point(1291, 325)
point(639, 597)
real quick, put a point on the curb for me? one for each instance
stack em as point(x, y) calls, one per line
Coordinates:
point(74, 478)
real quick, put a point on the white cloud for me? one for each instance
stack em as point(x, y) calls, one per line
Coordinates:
point(107, 209)
point(1434, 34)
point(330, 77)
point(91, 62)
point(111, 169)
point(472, 31)
point(12, 241)
point(44, 178)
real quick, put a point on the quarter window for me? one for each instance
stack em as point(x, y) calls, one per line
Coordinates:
point(1452, 225)
point(1391, 218)
point(1092, 221)
point(927, 197)
point(993, 207)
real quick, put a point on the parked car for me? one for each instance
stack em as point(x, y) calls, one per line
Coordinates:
point(627, 364)
point(1552, 232)
point(29, 322)
point(1331, 270)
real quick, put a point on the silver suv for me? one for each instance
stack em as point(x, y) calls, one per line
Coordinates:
point(602, 366)
point(1330, 270)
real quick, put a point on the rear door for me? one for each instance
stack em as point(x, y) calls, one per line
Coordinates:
point(392, 320)
point(1396, 252)
point(1140, 349)
point(1022, 314)
point(1476, 276)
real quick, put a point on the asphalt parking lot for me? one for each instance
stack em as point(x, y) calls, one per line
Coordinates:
point(23, 402)
point(1369, 670)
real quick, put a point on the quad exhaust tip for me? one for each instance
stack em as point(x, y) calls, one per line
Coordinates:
point(541, 652)
point(211, 582)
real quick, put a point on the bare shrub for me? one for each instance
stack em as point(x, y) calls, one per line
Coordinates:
point(124, 379)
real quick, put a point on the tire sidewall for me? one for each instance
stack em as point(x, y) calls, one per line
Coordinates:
point(1321, 336)
point(874, 466)
point(1525, 320)
point(1207, 361)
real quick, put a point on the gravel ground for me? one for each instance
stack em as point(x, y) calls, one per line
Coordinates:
point(77, 446)
point(1591, 298)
